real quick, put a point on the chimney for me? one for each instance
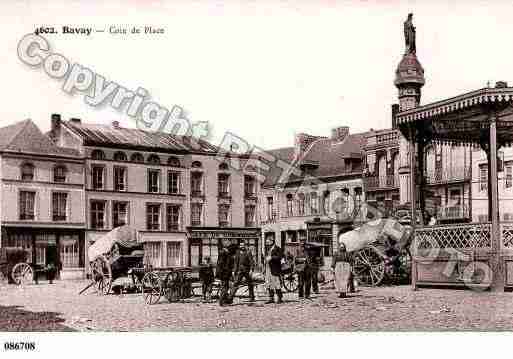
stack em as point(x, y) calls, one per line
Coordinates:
point(115, 124)
point(395, 110)
point(339, 133)
point(501, 84)
point(55, 127)
point(75, 121)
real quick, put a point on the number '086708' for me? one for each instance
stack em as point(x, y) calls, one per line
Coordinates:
point(19, 346)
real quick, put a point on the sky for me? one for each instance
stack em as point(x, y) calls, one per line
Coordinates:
point(263, 70)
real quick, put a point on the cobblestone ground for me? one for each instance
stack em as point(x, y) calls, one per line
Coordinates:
point(384, 308)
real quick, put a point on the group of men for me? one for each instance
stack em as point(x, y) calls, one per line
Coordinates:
point(235, 266)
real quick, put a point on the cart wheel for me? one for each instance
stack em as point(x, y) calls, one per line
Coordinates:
point(173, 286)
point(151, 288)
point(289, 282)
point(369, 266)
point(22, 274)
point(102, 275)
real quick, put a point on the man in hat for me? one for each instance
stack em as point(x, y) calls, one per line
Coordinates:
point(273, 271)
point(224, 271)
point(243, 270)
point(303, 270)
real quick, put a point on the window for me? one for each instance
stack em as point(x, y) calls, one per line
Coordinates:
point(301, 204)
point(119, 214)
point(27, 204)
point(119, 178)
point(97, 177)
point(59, 206)
point(314, 203)
point(120, 156)
point(174, 254)
point(224, 215)
point(290, 211)
point(249, 186)
point(326, 203)
point(97, 214)
point(223, 167)
point(69, 251)
point(137, 157)
point(223, 180)
point(173, 161)
point(152, 254)
point(509, 175)
point(483, 177)
point(98, 155)
point(196, 164)
point(59, 174)
point(196, 213)
point(173, 217)
point(153, 217)
point(27, 172)
point(196, 183)
point(154, 159)
point(249, 215)
point(173, 182)
point(153, 181)
point(455, 197)
point(270, 209)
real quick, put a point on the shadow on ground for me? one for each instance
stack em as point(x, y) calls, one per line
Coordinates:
point(15, 319)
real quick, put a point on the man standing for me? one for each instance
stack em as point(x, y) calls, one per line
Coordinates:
point(303, 270)
point(243, 270)
point(316, 263)
point(224, 271)
point(273, 271)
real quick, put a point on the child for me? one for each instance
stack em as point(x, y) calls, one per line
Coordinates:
point(206, 275)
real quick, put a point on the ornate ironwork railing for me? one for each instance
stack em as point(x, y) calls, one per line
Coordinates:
point(461, 236)
point(442, 175)
point(453, 212)
point(389, 137)
point(386, 181)
point(507, 234)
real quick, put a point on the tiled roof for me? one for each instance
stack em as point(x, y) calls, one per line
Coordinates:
point(328, 156)
point(109, 136)
point(26, 137)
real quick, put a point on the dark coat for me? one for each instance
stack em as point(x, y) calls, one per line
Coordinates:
point(276, 255)
point(224, 265)
point(244, 262)
point(341, 257)
point(301, 261)
point(206, 273)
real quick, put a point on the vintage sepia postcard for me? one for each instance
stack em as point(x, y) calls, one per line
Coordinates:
point(243, 166)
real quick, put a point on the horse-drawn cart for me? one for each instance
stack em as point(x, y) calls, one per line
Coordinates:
point(14, 267)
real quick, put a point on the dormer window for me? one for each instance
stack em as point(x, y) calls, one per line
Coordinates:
point(27, 172)
point(98, 155)
point(154, 160)
point(120, 156)
point(137, 157)
point(173, 161)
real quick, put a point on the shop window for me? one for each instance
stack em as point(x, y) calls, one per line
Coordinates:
point(137, 158)
point(152, 254)
point(153, 181)
point(173, 182)
point(154, 159)
point(59, 174)
point(69, 251)
point(59, 206)
point(173, 217)
point(196, 214)
point(120, 156)
point(119, 214)
point(97, 214)
point(21, 240)
point(98, 155)
point(27, 172)
point(153, 217)
point(120, 178)
point(97, 177)
point(210, 248)
point(173, 161)
point(27, 205)
point(174, 254)
point(224, 215)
